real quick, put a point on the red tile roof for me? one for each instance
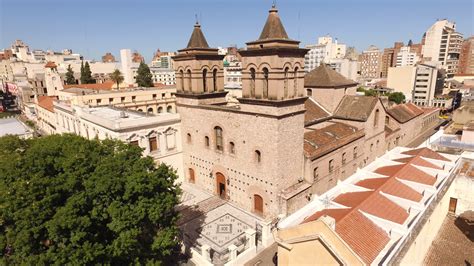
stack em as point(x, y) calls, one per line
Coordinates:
point(46, 102)
point(50, 64)
point(353, 199)
point(427, 153)
point(362, 235)
point(418, 161)
point(407, 172)
point(107, 85)
point(380, 206)
point(337, 214)
point(314, 112)
point(392, 187)
point(404, 112)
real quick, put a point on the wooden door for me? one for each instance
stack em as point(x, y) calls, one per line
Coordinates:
point(191, 176)
point(452, 205)
point(220, 185)
point(258, 204)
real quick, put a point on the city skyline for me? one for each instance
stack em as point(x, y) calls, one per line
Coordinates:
point(117, 26)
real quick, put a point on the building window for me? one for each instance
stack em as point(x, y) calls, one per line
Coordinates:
point(188, 138)
point(344, 158)
point(231, 148)
point(387, 119)
point(204, 80)
point(258, 156)
point(371, 147)
point(376, 117)
point(295, 82)
point(355, 152)
point(134, 143)
point(122, 99)
point(153, 144)
point(285, 91)
point(315, 174)
point(331, 166)
point(265, 82)
point(214, 79)
point(111, 100)
point(154, 96)
point(160, 109)
point(206, 141)
point(99, 101)
point(218, 135)
point(252, 82)
point(169, 109)
point(309, 92)
point(190, 84)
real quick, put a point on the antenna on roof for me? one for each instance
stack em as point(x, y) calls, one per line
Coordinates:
point(274, 4)
point(196, 16)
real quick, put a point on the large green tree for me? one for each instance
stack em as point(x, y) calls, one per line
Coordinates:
point(116, 77)
point(68, 200)
point(70, 76)
point(86, 74)
point(397, 97)
point(144, 77)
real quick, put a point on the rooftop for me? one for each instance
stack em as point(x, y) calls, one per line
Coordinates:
point(356, 108)
point(325, 77)
point(46, 102)
point(387, 196)
point(314, 112)
point(11, 126)
point(404, 112)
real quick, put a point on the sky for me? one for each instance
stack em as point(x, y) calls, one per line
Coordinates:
point(94, 27)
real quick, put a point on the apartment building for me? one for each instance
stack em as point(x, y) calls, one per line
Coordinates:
point(325, 50)
point(466, 58)
point(371, 63)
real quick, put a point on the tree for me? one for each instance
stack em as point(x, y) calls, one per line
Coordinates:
point(68, 200)
point(117, 77)
point(144, 77)
point(70, 76)
point(397, 97)
point(370, 92)
point(86, 74)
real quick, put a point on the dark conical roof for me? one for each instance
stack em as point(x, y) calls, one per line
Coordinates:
point(326, 77)
point(273, 28)
point(197, 39)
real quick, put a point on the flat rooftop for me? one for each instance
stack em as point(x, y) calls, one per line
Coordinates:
point(11, 126)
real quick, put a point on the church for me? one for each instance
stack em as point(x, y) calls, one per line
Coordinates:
point(290, 136)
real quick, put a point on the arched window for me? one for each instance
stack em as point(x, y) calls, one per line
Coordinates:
point(192, 178)
point(150, 110)
point(160, 109)
point(331, 166)
point(188, 138)
point(252, 82)
point(315, 174)
point(181, 76)
point(204, 80)
point(295, 83)
point(214, 79)
point(190, 84)
point(231, 147)
point(376, 118)
point(258, 204)
point(218, 135)
point(169, 109)
point(258, 156)
point(265, 82)
point(206, 141)
point(285, 91)
point(387, 120)
point(355, 152)
point(343, 158)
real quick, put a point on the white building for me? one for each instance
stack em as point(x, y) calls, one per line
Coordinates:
point(165, 76)
point(325, 50)
point(443, 44)
point(406, 57)
point(126, 62)
point(158, 135)
point(347, 67)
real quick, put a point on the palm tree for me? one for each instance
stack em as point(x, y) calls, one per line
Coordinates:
point(117, 77)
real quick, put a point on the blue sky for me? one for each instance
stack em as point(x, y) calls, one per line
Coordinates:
point(95, 27)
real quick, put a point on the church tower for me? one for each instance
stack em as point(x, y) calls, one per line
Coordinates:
point(199, 70)
point(250, 153)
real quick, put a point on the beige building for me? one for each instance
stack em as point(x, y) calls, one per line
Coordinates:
point(371, 63)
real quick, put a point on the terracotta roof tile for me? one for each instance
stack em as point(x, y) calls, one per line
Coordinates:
point(273, 28)
point(352, 199)
point(404, 112)
point(46, 102)
point(50, 64)
point(355, 107)
point(107, 85)
point(324, 140)
point(197, 39)
point(314, 112)
point(380, 206)
point(427, 153)
point(417, 161)
point(362, 235)
point(325, 77)
point(407, 172)
point(337, 214)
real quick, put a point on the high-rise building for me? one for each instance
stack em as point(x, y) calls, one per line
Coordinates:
point(466, 58)
point(325, 50)
point(126, 61)
point(389, 58)
point(443, 44)
point(406, 57)
point(371, 63)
